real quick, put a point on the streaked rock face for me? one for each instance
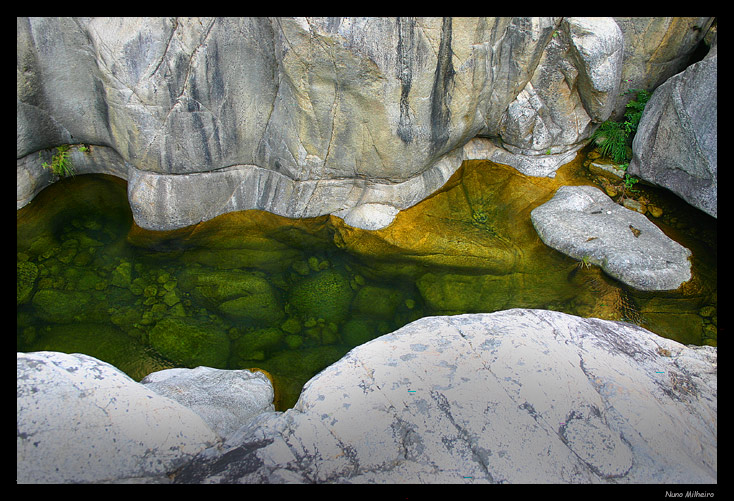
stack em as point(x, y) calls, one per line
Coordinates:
point(357, 117)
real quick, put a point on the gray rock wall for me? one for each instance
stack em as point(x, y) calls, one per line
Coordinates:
point(358, 117)
point(676, 142)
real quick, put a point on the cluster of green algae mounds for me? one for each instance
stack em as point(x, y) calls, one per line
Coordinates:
point(27, 273)
point(326, 295)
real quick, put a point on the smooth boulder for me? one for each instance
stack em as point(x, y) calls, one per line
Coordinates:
point(584, 223)
point(676, 144)
point(80, 420)
point(516, 396)
point(225, 399)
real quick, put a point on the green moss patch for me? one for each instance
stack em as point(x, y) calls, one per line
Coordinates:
point(190, 342)
point(326, 295)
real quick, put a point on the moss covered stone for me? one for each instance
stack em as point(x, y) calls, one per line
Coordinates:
point(27, 275)
point(261, 307)
point(255, 344)
point(122, 275)
point(377, 301)
point(293, 341)
point(61, 306)
point(236, 293)
point(190, 342)
point(356, 332)
point(291, 326)
point(303, 363)
point(326, 295)
point(102, 341)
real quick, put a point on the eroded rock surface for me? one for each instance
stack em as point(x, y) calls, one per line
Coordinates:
point(358, 117)
point(514, 396)
point(584, 223)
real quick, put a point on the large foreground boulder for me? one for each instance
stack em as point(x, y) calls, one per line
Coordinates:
point(584, 223)
point(83, 420)
point(517, 396)
point(225, 399)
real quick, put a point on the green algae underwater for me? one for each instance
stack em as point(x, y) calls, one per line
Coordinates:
point(253, 290)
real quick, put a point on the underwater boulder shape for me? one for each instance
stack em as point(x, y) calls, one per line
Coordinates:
point(27, 274)
point(377, 301)
point(190, 342)
point(101, 341)
point(250, 343)
point(235, 293)
point(357, 331)
point(326, 295)
point(261, 307)
point(61, 306)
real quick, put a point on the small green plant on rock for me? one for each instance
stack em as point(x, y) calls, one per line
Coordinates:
point(60, 165)
point(584, 263)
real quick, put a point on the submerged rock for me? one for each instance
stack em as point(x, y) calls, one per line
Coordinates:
point(102, 341)
point(253, 345)
point(83, 420)
point(517, 396)
point(584, 223)
point(61, 306)
point(235, 293)
point(377, 301)
point(27, 273)
point(190, 342)
point(326, 295)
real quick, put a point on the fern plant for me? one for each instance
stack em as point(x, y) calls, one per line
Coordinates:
point(613, 138)
point(634, 110)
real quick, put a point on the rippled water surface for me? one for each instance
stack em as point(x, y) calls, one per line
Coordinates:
point(254, 290)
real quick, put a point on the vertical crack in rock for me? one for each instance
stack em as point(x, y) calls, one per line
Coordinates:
point(440, 94)
point(165, 50)
point(406, 28)
point(277, 75)
point(177, 101)
point(479, 454)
